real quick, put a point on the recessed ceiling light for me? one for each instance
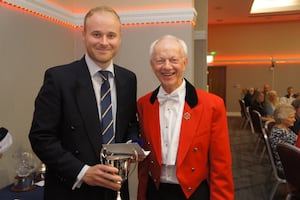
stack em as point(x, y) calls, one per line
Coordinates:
point(267, 6)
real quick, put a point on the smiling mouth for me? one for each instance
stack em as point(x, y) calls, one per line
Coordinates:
point(102, 51)
point(168, 74)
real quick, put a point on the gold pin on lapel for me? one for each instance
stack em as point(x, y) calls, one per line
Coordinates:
point(187, 116)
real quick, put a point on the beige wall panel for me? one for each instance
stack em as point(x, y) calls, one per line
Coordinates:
point(29, 45)
point(257, 40)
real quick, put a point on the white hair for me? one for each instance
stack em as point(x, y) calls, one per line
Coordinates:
point(283, 111)
point(180, 42)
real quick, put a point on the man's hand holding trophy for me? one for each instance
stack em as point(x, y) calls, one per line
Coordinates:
point(121, 156)
point(104, 176)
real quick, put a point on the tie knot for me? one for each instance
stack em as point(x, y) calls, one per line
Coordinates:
point(104, 74)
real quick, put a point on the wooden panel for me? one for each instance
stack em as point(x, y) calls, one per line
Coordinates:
point(216, 81)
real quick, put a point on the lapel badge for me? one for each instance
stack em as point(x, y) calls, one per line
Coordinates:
point(187, 116)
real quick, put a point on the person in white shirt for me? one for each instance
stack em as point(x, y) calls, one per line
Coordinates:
point(289, 97)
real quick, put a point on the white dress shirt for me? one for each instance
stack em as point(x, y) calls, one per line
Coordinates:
point(97, 82)
point(170, 114)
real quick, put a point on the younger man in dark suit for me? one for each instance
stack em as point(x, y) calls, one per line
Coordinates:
point(66, 131)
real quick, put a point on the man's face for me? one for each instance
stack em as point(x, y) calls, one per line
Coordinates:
point(168, 63)
point(102, 37)
point(290, 91)
point(267, 87)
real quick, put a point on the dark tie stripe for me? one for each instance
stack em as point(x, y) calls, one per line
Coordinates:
point(106, 110)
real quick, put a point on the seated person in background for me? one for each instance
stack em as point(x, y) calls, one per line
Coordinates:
point(244, 91)
point(249, 96)
point(296, 105)
point(267, 88)
point(271, 102)
point(258, 104)
point(284, 116)
point(289, 98)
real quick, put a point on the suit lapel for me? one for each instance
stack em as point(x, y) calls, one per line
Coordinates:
point(154, 126)
point(120, 97)
point(191, 118)
point(87, 105)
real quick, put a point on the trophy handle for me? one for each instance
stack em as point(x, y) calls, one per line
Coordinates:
point(135, 159)
point(103, 155)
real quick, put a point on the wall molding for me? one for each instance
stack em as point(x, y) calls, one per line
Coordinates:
point(172, 15)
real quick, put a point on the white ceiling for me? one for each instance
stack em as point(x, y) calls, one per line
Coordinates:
point(219, 11)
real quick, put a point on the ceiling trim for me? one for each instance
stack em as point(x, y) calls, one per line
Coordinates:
point(162, 15)
point(43, 7)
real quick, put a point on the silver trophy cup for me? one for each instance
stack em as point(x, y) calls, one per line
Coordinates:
point(121, 162)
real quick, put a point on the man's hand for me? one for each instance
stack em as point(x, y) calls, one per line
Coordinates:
point(104, 176)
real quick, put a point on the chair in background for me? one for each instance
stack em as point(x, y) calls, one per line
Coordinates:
point(290, 159)
point(258, 130)
point(245, 116)
point(268, 126)
point(279, 177)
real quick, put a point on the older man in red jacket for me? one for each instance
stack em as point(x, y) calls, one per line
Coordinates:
point(185, 129)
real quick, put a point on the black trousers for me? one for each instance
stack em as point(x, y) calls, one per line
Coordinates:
point(173, 191)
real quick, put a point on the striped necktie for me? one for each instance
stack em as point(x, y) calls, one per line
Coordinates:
point(107, 129)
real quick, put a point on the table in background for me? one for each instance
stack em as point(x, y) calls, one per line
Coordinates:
point(34, 194)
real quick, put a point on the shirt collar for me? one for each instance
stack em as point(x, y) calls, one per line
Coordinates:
point(180, 91)
point(94, 68)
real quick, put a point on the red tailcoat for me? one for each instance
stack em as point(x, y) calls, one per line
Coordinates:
point(203, 150)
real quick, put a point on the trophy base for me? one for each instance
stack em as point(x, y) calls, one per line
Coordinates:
point(23, 184)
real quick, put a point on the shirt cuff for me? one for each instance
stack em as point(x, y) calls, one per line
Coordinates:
point(78, 182)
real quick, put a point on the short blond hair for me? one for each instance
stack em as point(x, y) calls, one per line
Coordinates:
point(100, 9)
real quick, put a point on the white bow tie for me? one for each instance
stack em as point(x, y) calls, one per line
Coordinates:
point(162, 98)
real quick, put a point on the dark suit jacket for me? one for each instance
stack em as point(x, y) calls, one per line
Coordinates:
point(203, 150)
point(65, 132)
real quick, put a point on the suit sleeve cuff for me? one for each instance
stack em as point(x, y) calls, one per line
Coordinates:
point(82, 172)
